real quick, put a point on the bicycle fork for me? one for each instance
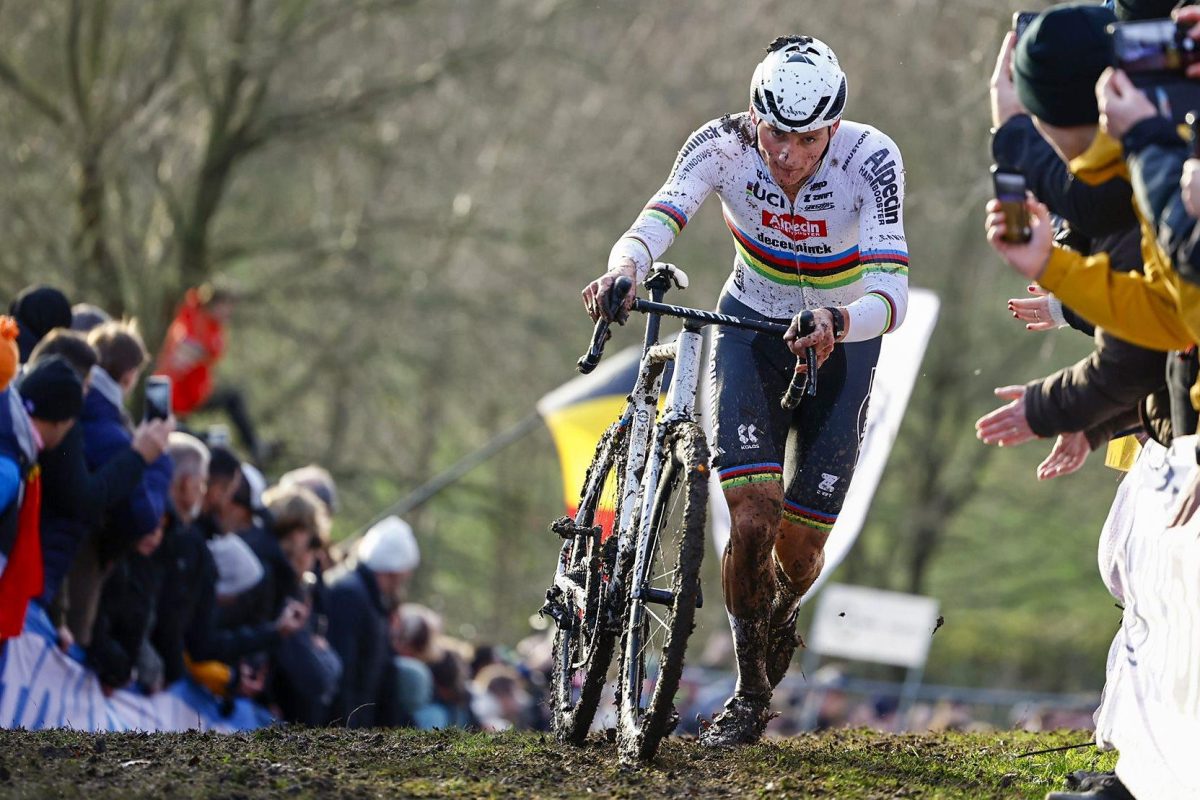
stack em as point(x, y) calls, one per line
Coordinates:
point(681, 401)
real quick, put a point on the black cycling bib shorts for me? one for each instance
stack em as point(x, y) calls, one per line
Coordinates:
point(812, 449)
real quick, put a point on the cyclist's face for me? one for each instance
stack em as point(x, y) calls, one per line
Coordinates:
point(792, 157)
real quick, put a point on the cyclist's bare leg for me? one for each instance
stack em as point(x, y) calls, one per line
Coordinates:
point(799, 555)
point(748, 578)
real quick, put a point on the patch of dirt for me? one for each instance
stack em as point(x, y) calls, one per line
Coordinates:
point(308, 762)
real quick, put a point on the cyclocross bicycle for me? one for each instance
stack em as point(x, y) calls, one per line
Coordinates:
point(629, 567)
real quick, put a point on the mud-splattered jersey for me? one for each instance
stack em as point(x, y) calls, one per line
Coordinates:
point(840, 243)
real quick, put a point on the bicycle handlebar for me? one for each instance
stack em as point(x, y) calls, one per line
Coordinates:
point(801, 383)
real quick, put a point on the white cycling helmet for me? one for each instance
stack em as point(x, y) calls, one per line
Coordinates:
point(799, 86)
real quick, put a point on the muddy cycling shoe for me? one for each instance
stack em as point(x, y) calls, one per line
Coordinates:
point(782, 641)
point(1096, 786)
point(742, 722)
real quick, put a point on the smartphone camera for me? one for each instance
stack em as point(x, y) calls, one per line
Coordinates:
point(1153, 46)
point(158, 398)
point(1010, 191)
point(1021, 20)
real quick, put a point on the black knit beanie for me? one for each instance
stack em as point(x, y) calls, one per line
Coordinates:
point(52, 390)
point(39, 310)
point(1129, 10)
point(1058, 61)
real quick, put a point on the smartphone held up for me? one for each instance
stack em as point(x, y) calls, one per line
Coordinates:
point(1010, 191)
point(158, 398)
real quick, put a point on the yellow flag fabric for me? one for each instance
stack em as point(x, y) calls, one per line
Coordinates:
point(577, 414)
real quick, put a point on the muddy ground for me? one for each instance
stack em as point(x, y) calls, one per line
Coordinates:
point(289, 762)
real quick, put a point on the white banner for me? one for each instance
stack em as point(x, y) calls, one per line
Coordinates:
point(899, 362)
point(42, 687)
point(864, 624)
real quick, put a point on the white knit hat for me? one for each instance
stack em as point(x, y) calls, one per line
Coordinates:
point(389, 546)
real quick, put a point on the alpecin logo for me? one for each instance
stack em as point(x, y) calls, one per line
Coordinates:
point(796, 228)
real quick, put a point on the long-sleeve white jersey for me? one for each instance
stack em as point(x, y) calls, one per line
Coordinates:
point(840, 243)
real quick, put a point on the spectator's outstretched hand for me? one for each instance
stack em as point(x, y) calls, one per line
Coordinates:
point(1005, 103)
point(1033, 311)
point(1028, 259)
point(1189, 184)
point(150, 438)
point(1122, 105)
point(1067, 455)
point(1006, 425)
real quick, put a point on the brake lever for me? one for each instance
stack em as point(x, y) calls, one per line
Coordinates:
point(602, 332)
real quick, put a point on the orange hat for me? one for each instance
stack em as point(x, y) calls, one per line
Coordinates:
point(10, 356)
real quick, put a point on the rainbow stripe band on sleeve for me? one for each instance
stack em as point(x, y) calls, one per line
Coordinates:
point(891, 309)
point(800, 515)
point(669, 215)
point(897, 259)
point(750, 473)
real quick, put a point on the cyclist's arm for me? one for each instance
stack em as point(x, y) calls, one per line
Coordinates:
point(883, 250)
point(691, 180)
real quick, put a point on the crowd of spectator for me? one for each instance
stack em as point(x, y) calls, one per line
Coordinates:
point(1089, 104)
point(161, 555)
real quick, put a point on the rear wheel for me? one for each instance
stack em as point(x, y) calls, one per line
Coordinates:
point(583, 645)
point(659, 619)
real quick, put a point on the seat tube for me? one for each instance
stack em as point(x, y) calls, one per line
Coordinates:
point(681, 401)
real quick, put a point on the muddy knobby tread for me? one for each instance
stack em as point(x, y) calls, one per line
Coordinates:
point(571, 724)
point(687, 445)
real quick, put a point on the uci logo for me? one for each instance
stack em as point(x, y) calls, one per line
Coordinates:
point(748, 436)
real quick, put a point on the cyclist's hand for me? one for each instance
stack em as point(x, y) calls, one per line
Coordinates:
point(1029, 259)
point(1006, 425)
point(595, 294)
point(821, 338)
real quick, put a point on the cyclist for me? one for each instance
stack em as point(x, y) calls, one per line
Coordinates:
point(814, 204)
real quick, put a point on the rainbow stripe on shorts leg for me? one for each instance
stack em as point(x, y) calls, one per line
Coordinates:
point(801, 515)
point(750, 473)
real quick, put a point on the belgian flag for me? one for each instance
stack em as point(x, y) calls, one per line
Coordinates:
point(577, 414)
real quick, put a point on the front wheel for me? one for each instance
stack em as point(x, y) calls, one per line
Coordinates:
point(661, 606)
point(583, 644)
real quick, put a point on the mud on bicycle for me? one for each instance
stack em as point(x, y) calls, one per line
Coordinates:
point(627, 579)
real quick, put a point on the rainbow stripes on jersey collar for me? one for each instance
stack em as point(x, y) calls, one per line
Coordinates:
point(820, 272)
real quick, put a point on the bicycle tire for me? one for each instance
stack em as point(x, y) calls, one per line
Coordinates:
point(586, 641)
point(678, 524)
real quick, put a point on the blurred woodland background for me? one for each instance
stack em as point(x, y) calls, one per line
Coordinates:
point(409, 195)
